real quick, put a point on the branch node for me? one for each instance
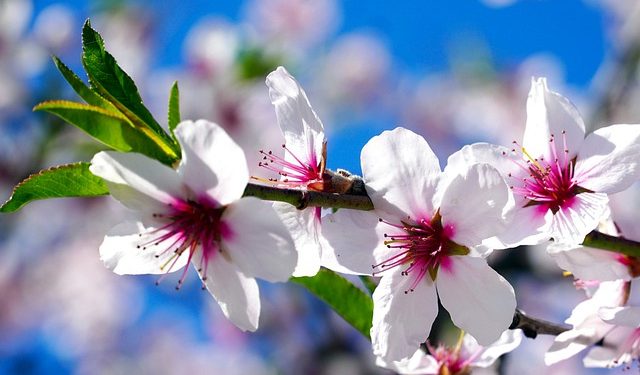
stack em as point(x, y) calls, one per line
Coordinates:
point(303, 202)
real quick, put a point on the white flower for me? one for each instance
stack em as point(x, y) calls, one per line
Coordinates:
point(621, 344)
point(460, 360)
point(429, 226)
point(591, 264)
point(195, 214)
point(302, 167)
point(587, 326)
point(587, 263)
point(559, 178)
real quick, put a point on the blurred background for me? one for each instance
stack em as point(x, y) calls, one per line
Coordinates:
point(456, 72)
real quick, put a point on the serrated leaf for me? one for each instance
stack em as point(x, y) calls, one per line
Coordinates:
point(81, 88)
point(70, 180)
point(112, 82)
point(351, 303)
point(108, 127)
point(174, 107)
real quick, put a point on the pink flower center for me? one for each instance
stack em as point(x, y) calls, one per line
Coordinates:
point(550, 183)
point(295, 173)
point(449, 360)
point(423, 247)
point(187, 225)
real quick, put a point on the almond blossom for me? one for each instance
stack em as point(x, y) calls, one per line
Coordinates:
point(301, 167)
point(621, 344)
point(423, 239)
point(195, 214)
point(558, 177)
point(459, 360)
point(588, 328)
point(591, 264)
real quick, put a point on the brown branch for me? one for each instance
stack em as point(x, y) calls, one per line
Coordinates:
point(355, 197)
point(532, 327)
point(302, 199)
point(352, 193)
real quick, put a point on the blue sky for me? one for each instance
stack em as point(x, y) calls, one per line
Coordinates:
point(420, 34)
point(423, 37)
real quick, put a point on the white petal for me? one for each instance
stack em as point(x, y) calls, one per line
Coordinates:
point(304, 227)
point(472, 205)
point(401, 173)
point(589, 328)
point(137, 181)
point(549, 113)
point(212, 163)
point(499, 157)
point(587, 263)
point(623, 316)
point(569, 343)
point(120, 253)
point(479, 300)
point(601, 357)
point(302, 129)
point(609, 160)
point(522, 230)
point(508, 341)
point(585, 314)
point(402, 318)
point(237, 294)
point(526, 226)
point(352, 242)
point(259, 244)
point(612, 352)
point(576, 219)
point(420, 363)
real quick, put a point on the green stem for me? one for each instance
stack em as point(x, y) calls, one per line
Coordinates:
point(608, 242)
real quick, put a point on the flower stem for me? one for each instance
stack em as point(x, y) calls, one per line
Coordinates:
point(608, 242)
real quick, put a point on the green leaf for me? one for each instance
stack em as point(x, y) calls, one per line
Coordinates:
point(111, 128)
point(174, 107)
point(70, 180)
point(354, 305)
point(106, 76)
point(81, 89)
point(368, 283)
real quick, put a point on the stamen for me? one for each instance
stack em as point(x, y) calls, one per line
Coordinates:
point(533, 160)
point(550, 183)
point(189, 226)
point(294, 173)
point(419, 247)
